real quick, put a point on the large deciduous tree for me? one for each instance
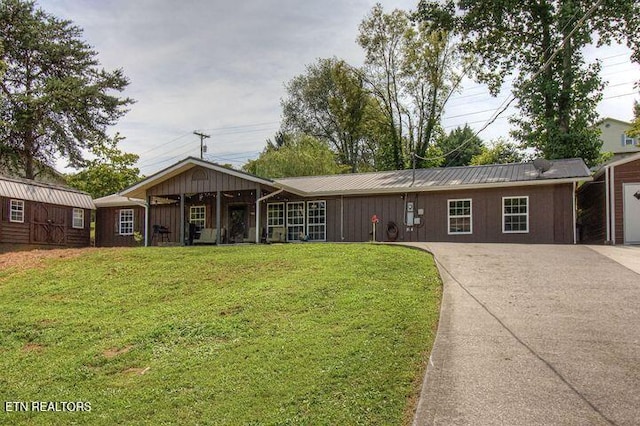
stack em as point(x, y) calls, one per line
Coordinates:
point(541, 43)
point(55, 100)
point(111, 171)
point(409, 68)
point(299, 155)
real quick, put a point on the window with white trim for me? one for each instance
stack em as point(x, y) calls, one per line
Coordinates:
point(125, 223)
point(317, 220)
point(198, 216)
point(515, 215)
point(78, 219)
point(628, 140)
point(16, 211)
point(275, 219)
point(295, 221)
point(459, 217)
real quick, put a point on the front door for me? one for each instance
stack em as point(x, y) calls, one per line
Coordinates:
point(631, 213)
point(237, 223)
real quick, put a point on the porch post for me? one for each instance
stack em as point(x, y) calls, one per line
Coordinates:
point(258, 193)
point(218, 215)
point(182, 219)
point(147, 206)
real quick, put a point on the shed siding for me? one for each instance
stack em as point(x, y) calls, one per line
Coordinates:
point(190, 182)
point(31, 233)
point(624, 173)
point(107, 226)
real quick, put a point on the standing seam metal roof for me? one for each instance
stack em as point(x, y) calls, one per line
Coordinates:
point(24, 189)
point(438, 178)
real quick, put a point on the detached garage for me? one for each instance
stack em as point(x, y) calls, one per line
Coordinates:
point(609, 206)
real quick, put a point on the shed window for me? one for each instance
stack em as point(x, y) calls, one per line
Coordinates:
point(275, 220)
point(460, 218)
point(198, 216)
point(295, 221)
point(515, 215)
point(317, 220)
point(78, 218)
point(16, 211)
point(126, 222)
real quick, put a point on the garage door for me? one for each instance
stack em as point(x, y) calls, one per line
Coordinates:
point(632, 213)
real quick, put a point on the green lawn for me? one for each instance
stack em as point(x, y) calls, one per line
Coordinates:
point(285, 334)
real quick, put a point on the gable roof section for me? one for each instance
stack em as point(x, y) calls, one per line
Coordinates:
point(30, 190)
point(617, 162)
point(138, 190)
point(438, 179)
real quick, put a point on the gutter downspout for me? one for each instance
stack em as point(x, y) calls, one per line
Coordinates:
point(607, 202)
point(575, 233)
point(273, 194)
point(612, 196)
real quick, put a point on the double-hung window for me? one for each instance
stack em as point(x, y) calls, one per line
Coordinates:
point(515, 215)
point(459, 217)
point(198, 216)
point(295, 221)
point(125, 224)
point(317, 220)
point(16, 211)
point(78, 219)
point(275, 220)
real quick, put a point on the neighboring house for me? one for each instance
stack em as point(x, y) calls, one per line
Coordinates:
point(198, 201)
point(615, 139)
point(609, 206)
point(39, 215)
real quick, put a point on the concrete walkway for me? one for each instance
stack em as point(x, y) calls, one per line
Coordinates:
point(532, 335)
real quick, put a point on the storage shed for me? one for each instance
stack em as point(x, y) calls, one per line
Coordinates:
point(196, 201)
point(609, 206)
point(40, 215)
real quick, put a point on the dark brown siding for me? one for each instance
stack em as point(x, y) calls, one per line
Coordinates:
point(550, 215)
point(592, 214)
point(624, 173)
point(45, 225)
point(200, 180)
point(107, 232)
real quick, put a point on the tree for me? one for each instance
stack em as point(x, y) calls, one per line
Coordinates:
point(408, 68)
point(330, 103)
point(302, 155)
point(110, 172)
point(541, 43)
point(55, 100)
point(635, 124)
point(500, 151)
point(459, 146)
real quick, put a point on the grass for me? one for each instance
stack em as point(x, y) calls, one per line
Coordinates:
point(282, 334)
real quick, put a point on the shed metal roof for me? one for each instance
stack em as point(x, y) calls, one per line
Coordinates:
point(116, 200)
point(438, 179)
point(29, 190)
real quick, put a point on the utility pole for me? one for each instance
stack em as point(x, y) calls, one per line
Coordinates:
point(202, 138)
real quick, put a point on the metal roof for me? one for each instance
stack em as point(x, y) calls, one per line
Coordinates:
point(116, 200)
point(438, 179)
point(29, 190)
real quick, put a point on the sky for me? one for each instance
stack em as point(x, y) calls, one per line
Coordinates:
point(220, 67)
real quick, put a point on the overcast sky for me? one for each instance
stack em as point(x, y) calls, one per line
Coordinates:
point(219, 67)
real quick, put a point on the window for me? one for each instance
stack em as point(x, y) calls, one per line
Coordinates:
point(295, 221)
point(275, 219)
point(460, 217)
point(126, 222)
point(78, 218)
point(16, 212)
point(628, 140)
point(317, 220)
point(198, 216)
point(515, 214)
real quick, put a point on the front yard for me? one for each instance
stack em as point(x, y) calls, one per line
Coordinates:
point(282, 334)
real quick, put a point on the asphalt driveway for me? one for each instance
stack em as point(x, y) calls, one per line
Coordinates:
point(533, 334)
